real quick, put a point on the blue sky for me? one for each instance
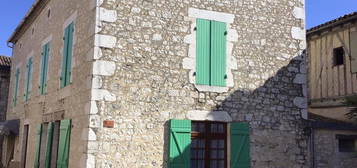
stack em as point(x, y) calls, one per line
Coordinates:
point(317, 12)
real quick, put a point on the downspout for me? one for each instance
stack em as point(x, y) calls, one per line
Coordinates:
point(312, 147)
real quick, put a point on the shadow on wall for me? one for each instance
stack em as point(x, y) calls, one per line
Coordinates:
point(274, 112)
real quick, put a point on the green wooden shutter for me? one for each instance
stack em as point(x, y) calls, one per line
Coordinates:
point(64, 142)
point(44, 68)
point(49, 145)
point(240, 145)
point(28, 79)
point(38, 146)
point(203, 52)
point(180, 141)
point(69, 54)
point(353, 47)
point(218, 53)
point(17, 78)
point(64, 59)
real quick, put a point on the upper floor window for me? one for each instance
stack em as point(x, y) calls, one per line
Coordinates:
point(16, 87)
point(347, 143)
point(67, 55)
point(338, 56)
point(211, 53)
point(44, 68)
point(28, 80)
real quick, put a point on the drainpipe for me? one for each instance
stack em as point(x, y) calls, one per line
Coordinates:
point(312, 147)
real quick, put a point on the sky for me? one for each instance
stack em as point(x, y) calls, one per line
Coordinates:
point(317, 12)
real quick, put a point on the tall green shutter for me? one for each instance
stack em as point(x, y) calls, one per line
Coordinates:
point(38, 147)
point(28, 79)
point(180, 140)
point(44, 68)
point(353, 47)
point(17, 78)
point(240, 145)
point(203, 52)
point(211, 53)
point(218, 53)
point(67, 55)
point(64, 142)
point(49, 145)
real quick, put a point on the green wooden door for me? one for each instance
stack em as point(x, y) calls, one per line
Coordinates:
point(240, 145)
point(180, 141)
point(64, 144)
point(38, 146)
point(49, 145)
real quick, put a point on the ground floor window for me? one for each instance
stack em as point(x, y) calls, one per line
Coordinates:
point(209, 145)
point(204, 144)
point(347, 143)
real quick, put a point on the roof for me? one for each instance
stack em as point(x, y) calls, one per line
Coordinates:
point(321, 122)
point(352, 17)
point(31, 15)
point(5, 61)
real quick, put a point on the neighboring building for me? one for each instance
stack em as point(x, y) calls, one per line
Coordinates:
point(171, 84)
point(332, 59)
point(5, 64)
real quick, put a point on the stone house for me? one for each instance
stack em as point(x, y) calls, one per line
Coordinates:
point(5, 64)
point(150, 83)
point(332, 76)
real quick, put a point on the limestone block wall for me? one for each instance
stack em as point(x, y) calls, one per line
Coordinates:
point(142, 79)
point(71, 102)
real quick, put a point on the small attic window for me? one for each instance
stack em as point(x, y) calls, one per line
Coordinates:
point(338, 56)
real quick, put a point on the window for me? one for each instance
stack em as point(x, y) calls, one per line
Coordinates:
point(28, 80)
point(204, 144)
point(211, 53)
point(209, 145)
point(44, 68)
point(67, 56)
point(347, 143)
point(16, 87)
point(338, 56)
point(52, 144)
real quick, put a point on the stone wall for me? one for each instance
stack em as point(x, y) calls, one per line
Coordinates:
point(70, 102)
point(4, 91)
point(142, 80)
point(327, 153)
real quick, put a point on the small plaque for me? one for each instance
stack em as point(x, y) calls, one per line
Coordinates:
point(108, 123)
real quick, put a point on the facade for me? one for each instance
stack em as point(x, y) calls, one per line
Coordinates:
point(332, 76)
point(160, 84)
point(5, 64)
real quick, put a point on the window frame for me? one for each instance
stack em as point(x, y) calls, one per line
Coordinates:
point(336, 56)
point(208, 136)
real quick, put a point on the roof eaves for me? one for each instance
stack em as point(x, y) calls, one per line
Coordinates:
point(28, 19)
point(333, 23)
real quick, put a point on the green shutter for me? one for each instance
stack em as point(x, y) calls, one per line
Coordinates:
point(44, 68)
point(64, 142)
point(240, 145)
point(218, 53)
point(28, 79)
point(67, 55)
point(38, 146)
point(17, 78)
point(353, 47)
point(180, 140)
point(203, 52)
point(49, 145)
point(64, 58)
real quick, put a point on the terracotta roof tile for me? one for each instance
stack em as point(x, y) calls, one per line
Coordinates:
point(5, 61)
